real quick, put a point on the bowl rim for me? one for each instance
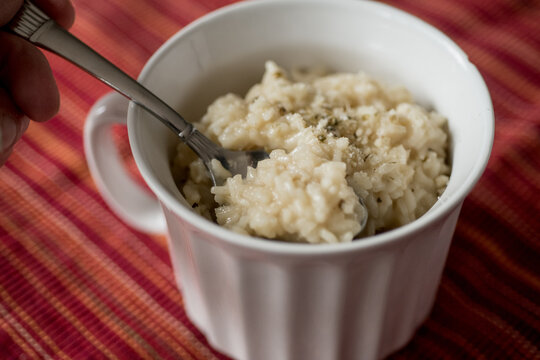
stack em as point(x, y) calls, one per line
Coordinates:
point(302, 249)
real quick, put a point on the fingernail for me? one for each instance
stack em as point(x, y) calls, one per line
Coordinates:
point(8, 132)
point(25, 121)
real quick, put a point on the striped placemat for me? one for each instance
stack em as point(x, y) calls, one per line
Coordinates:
point(76, 282)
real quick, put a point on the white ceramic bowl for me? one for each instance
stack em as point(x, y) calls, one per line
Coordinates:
point(259, 299)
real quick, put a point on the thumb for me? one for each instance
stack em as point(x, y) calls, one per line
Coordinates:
point(12, 125)
point(11, 130)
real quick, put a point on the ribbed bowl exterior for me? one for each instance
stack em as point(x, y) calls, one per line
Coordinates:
point(363, 304)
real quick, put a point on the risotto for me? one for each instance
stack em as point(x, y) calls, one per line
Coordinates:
point(332, 139)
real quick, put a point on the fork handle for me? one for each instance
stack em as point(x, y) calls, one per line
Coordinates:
point(54, 38)
point(36, 27)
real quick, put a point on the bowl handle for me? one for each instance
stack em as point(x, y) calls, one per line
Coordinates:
point(129, 200)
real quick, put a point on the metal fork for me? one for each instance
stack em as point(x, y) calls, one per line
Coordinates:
point(35, 26)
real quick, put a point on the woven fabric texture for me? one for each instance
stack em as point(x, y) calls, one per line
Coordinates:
point(76, 282)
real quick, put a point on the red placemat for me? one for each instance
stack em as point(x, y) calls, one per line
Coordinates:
point(76, 282)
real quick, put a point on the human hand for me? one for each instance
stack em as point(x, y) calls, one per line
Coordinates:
point(27, 86)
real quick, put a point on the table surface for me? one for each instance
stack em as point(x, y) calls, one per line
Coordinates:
point(76, 282)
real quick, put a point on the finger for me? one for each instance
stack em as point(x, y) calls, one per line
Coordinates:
point(12, 125)
point(8, 9)
point(60, 10)
point(26, 75)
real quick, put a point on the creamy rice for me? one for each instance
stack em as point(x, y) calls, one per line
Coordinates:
point(331, 138)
